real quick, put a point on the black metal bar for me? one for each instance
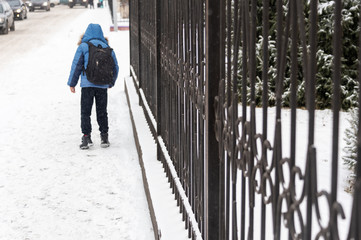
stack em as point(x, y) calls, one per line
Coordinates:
point(358, 172)
point(228, 73)
point(311, 110)
point(131, 43)
point(139, 39)
point(222, 74)
point(212, 81)
point(252, 77)
point(235, 125)
point(265, 35)
point(336, 104)
point(158, 72)
point(293, 100)
point(277, 154)
point(245, 20)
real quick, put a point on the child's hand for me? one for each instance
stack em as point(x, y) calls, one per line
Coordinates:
point(72, 89)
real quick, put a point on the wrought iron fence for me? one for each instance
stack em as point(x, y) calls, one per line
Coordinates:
point(234, 174)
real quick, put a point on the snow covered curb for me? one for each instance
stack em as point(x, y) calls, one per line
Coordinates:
point(167, 221)
point(141, 163)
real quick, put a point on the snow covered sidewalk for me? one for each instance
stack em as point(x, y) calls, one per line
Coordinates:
point(49, 188)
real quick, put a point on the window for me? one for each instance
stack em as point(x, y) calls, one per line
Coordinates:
point(14, 3)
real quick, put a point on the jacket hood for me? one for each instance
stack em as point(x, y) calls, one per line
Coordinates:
point(94, 31)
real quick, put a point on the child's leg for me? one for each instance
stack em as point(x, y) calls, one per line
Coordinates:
point(101, 99)
point(87, 98)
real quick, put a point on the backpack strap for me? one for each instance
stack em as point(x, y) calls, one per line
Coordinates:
point(89, 43)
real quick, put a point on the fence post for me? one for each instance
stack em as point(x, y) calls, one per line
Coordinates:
point(212, 162)
point(139, 45)
point(158, 72)
point(130, 37)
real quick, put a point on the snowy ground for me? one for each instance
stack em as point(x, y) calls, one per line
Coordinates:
point(49, 189)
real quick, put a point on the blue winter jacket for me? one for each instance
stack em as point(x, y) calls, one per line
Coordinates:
point(93, 34)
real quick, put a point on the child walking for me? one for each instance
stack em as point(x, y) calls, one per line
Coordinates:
point(90, 90)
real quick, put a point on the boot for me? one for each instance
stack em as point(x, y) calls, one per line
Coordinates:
point(104, 140)
point(86, 142)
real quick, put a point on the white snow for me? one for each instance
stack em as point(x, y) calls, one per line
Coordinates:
point(49, 188)
point(169, 221)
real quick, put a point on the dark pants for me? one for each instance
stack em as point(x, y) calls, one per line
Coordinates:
point(101, 100)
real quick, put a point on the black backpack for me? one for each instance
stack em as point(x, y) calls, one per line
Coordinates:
point(100, 65)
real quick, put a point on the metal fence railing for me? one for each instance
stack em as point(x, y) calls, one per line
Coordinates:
point(198, 64)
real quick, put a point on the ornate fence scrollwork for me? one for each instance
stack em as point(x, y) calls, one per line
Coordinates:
point(200, 64)
point(271, 179)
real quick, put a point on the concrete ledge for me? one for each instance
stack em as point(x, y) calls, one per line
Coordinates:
point(141, 163)
point(165, 214)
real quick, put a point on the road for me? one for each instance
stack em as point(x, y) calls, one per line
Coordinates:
point(34, 32)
